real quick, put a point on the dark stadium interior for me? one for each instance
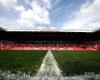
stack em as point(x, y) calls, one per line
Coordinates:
point(80, 39)
point(72, 37)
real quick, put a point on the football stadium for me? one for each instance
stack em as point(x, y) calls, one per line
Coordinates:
point(49, 39)
point(49, 54)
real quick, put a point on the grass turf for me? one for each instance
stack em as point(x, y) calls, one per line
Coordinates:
point(78, 62)
point(70, 62)
point(24, 61)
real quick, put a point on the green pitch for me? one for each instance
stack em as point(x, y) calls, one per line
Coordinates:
point(24, 61)
point(78, 62)
point(70, 62)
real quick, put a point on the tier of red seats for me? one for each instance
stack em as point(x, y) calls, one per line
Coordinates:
point(27, 47)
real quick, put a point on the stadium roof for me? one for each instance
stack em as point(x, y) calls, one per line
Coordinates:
point(88, 30)
point(58, 30)
point(2, 29)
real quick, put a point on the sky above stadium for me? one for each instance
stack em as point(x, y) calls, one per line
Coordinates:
point(50, 14)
